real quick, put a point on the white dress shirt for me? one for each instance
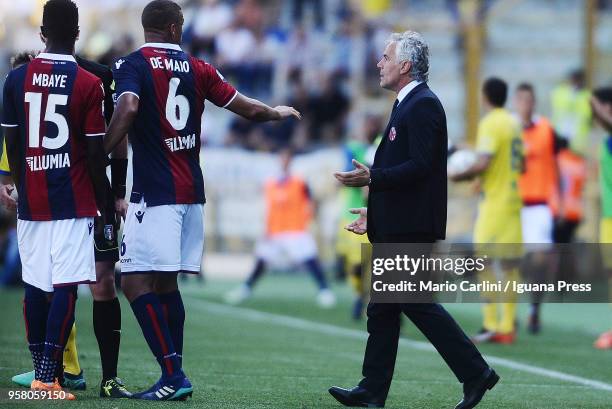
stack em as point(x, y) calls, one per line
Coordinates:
point(406, 90)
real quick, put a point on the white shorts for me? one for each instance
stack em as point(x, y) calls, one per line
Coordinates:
point(537, 224)
point(162, 238)
point(56, 252)
point(297, 246)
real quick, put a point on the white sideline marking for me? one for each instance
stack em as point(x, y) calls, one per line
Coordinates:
point(322, 328)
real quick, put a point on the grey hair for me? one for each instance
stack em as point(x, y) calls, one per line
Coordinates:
point(411, 46)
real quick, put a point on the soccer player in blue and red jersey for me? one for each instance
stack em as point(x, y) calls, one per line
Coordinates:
point(54, 126)
point(161, 92)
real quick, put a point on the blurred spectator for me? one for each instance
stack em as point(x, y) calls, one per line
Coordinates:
point(328, 111)
point(210, 18)
point(244, 51)
point(304, 51)
point(342, 46)
point(233, 45)
point(10, 270)
point(571, 111)
point(376, 38)
point(239, 131)
point(316, 6)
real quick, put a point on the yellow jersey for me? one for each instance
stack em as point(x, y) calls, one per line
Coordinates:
point(499, 135)
point(499, 211)
point(4, 165)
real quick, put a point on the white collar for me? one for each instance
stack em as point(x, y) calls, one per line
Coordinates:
point(163, 45)
point(58, 57)
point(406, 90)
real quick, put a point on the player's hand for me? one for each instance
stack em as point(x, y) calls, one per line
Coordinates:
point(287, 112)
point(360, 225)
point(121, 207)
point(5, 196)
point(358, 177)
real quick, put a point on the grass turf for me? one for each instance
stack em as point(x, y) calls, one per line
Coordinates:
point(236, 360)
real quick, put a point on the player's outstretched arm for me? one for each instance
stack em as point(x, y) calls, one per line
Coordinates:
point(127, 108)
point(255, 110)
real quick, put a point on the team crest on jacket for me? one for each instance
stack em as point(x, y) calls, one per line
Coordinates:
point(392, 134)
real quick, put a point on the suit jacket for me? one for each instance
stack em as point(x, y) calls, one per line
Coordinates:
point(408, 187)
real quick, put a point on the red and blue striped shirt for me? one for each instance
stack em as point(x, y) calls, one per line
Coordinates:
point(55, 104)
point(165, 136)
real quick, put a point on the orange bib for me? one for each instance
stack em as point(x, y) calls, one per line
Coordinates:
point(539, 181)
point(288, 206)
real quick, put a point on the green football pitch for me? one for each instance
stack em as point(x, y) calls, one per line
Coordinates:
point(279, 350)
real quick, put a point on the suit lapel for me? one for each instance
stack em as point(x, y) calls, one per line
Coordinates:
point(385, 135)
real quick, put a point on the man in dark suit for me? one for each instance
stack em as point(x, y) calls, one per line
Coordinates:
point(407, 204)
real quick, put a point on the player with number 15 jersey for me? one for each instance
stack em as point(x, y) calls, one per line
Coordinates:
point(59, 104)
point(55, 105)
point(54, 125)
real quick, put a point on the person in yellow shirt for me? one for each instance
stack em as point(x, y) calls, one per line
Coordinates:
point(602, 109)
point(499, 165)
point(571, 111)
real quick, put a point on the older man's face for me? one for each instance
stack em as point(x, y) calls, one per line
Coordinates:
point(389, 68)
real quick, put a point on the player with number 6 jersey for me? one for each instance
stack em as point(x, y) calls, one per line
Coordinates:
point(161, 92)
point(165, 137)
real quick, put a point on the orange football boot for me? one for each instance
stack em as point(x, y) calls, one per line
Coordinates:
point(604, 341)
point(506, 339)
point(55, 389)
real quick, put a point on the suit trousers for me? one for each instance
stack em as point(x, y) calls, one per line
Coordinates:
point(457, 350)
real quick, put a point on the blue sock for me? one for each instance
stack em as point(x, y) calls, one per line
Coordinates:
point(59, 325)
point(35, 312)
point(316, 271)
point(150, 316)
point(174, 312)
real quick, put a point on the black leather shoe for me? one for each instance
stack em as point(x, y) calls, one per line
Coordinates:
point(356, 397)
point(474, 390)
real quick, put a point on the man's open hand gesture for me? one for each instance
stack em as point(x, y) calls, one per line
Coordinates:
point(360, 225)
point(358, 177)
